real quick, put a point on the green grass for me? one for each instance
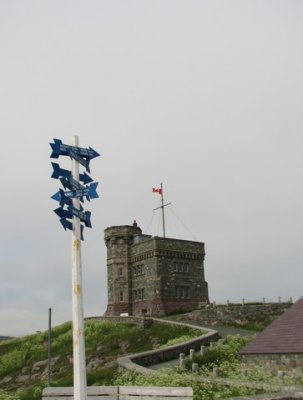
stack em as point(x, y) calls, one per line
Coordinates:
point(6, 396)
point(103, 340)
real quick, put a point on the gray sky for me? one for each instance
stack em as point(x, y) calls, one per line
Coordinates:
point(204, 96)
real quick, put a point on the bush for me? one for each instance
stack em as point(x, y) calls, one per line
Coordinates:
point(6, 396)
point(225, 351)
point(167, 377)
point(33, 393)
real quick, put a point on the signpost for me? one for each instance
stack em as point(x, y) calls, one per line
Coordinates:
point(71, 218)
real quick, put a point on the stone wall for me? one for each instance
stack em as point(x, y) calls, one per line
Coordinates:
point(213, 313)
point(276, 362)
point(139, 361)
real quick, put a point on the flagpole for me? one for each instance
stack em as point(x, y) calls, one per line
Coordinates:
point(77, 297)
point(160, 191)
point(162, 206)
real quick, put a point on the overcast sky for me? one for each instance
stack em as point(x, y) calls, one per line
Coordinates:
point(203, 95)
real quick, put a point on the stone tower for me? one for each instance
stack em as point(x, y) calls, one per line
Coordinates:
point(155, 275)
point(118, 240)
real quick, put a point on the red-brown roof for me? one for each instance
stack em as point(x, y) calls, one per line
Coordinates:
point(283, 336)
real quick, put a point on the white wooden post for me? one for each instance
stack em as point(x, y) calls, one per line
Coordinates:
point(202, 350)
point(77, 298)
point(195, 367)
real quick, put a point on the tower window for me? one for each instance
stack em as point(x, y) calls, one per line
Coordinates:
point(120, 271)
point(138, 269)
point(182, 292)
point(121, 296)
point(139, 294)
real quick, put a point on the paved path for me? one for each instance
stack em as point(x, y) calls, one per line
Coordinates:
point(226, 330)
point(223, 332)
point(222, 329)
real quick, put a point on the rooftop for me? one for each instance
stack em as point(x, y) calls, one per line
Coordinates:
point(282, 336)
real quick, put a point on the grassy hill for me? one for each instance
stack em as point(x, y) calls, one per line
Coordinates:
point(23, 361)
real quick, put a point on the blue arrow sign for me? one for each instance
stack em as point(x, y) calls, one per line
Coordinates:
point(71, 183)
point(66, 224)
point(60, 149)
point(56, 196)
point(84, 216)
point(64, 173)
point(66, 197)
point(59, 171)
point(85, 178)
point(62, 213)
point(89, 191)
point(61, 198)
point(81, 160)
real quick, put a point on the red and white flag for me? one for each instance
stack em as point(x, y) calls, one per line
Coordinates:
point(157, 190)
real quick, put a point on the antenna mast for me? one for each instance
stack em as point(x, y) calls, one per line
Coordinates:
point(162, 207)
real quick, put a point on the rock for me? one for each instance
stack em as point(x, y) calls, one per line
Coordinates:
point(155, 342)
point(110, 364)
point(39, 364)
point(35, 377)
point(6, 379)
point(22, 378)
point(123, 345)
point(94, 363)
point(63, 369)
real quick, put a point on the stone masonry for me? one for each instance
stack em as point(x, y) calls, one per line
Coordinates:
point(153, 275)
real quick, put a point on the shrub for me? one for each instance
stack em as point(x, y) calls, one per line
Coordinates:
point(225, 351)
point(6, 396)
point(167, 377)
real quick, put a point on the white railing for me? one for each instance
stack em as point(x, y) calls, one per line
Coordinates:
point(263, 300)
